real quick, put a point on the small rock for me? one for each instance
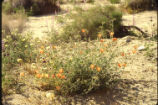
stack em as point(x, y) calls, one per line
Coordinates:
point(141, 48)
point(128, 40)
point(50, 95)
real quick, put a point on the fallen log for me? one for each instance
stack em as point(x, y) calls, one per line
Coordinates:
point(127, 28)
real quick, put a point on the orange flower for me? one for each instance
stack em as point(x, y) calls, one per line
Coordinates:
point(58, 75)
point(99, 35)
point(111, 34)
point(105, 45)
point(41, 51)
point(114, 39)
point(63, 77)
point(101, 40)
point(58, 88)
point(101, 50)
point(98, 69)
point(124, 64)
point(53, 76)
point(134, 51)
point(36, 71)
point(22, 74)
point(83, 30)
point(135, 47)
point(38, 75)
point(61, 70)
point(81, 52)
point(122, 54)
point(119, 65)
point(92, 66)
point(54, 47)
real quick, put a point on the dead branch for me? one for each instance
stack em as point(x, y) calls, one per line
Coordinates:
point(134, 27)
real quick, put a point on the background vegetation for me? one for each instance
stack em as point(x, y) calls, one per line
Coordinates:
point(31, 7)
point(114, 1)
point(86, 25)
point(134, 6)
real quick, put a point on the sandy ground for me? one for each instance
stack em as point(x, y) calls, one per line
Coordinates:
point(139, 79)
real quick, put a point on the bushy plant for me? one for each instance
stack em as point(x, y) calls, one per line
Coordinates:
point(31, 7)
point(16, 48)
point(84, 25)
point(77, 68)
point(7, 7)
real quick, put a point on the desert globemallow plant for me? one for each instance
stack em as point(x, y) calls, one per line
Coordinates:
point(77, 68)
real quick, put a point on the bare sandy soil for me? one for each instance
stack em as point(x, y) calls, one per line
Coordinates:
point(138, 85)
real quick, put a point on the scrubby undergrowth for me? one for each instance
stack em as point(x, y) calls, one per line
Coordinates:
point(88, 24)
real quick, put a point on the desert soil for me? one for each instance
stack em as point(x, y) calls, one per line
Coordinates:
point(138, 85)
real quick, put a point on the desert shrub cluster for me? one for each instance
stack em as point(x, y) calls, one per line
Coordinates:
point(11, 22)
point(77, 67)
point(134, 6)
point(87, 24)
point(31, 7)
point(16, 49)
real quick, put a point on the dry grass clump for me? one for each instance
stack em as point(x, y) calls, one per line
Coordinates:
point(12, 22)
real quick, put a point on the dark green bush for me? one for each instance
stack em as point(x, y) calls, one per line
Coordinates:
point(31, 7)
point(94, 21)
point(141, 5)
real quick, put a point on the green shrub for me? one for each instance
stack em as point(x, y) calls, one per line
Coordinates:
point(93, 21)
point(16, 50)
point(31, 7)
point(7, 7)
point(15, 46)
point(114, 1)
point(78, 68)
